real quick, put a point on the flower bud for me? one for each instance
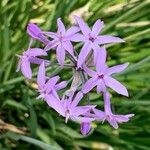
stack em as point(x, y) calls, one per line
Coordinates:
point(85, 128)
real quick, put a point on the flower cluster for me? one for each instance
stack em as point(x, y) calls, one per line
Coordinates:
point(90, 69)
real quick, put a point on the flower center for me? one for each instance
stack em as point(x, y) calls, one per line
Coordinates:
point(91, 39)
point(101, 76)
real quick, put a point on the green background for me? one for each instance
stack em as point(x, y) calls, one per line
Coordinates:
point(26, 123)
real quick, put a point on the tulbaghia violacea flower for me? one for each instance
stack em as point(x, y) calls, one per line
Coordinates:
point(102, 76)
point(61, 41)
point(112, 119)
point(36, 33)
point(30, 56)
point(91, 39)
point(73, 111)
point(67, 105)
point(48, 89)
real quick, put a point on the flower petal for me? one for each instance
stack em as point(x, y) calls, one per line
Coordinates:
point(105, 39)
point(60, 53)
point(77, 38)
point(71, 31)
point(41, 76)
point(83, 54)
point(81, 110)
point(107, 105)
point(101, 60)
point(89, 85)
point(101, 86)
point(36, 52)
point(83, 119)
point(100, 115)
point(68, 46)
point(112, 122)
point(116, 69)
point(25, 68)
point(116, 86)
point(61, 27)
point(97, 27)
point(83, 26)
point(61, 85)
point(77, 99)
point(51, 44)
point(51, 34)
point(50, 84)
point(35, 60)
point(90, 72)
point(55, 104)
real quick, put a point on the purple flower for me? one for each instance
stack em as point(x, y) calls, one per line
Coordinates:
point(74, 112)
point(102, 76)
point(30, 56)
point(91, 39)
point(85, 128)
point(48, 89)
point(112, 119)
point(36, 33)
point(61, 41)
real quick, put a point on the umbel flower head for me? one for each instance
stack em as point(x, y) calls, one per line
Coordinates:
point(84, 79)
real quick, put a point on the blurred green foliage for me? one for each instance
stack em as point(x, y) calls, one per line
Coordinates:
point(21, 113)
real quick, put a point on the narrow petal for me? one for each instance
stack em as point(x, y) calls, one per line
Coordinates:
point(83, 26)
point(99, 115)
point(89, 85)
point(71, 31)
point(107, 105)
point(51, 34)
point(61, 85)
point(68, 46)
point(90, 72)
point(43, 38)
point(77, 99)
point(51, 83)
point(25, 68)
point(101, 87)
point(35, 60)
point(116, 86)
point(52, 44)
point(77, 38)
point(81, 110)
point(55, 104)
point(36, 52)
point(112, 122)
point(60, 52)
point(116, 69)
point(97, 27)
point(41, 76)
point(83, 54)
point(83, 119)
point(54, 93)
point(123, 118)
point(106, 39)
point(61, 27)
point(96, 51)
point(101, 60)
